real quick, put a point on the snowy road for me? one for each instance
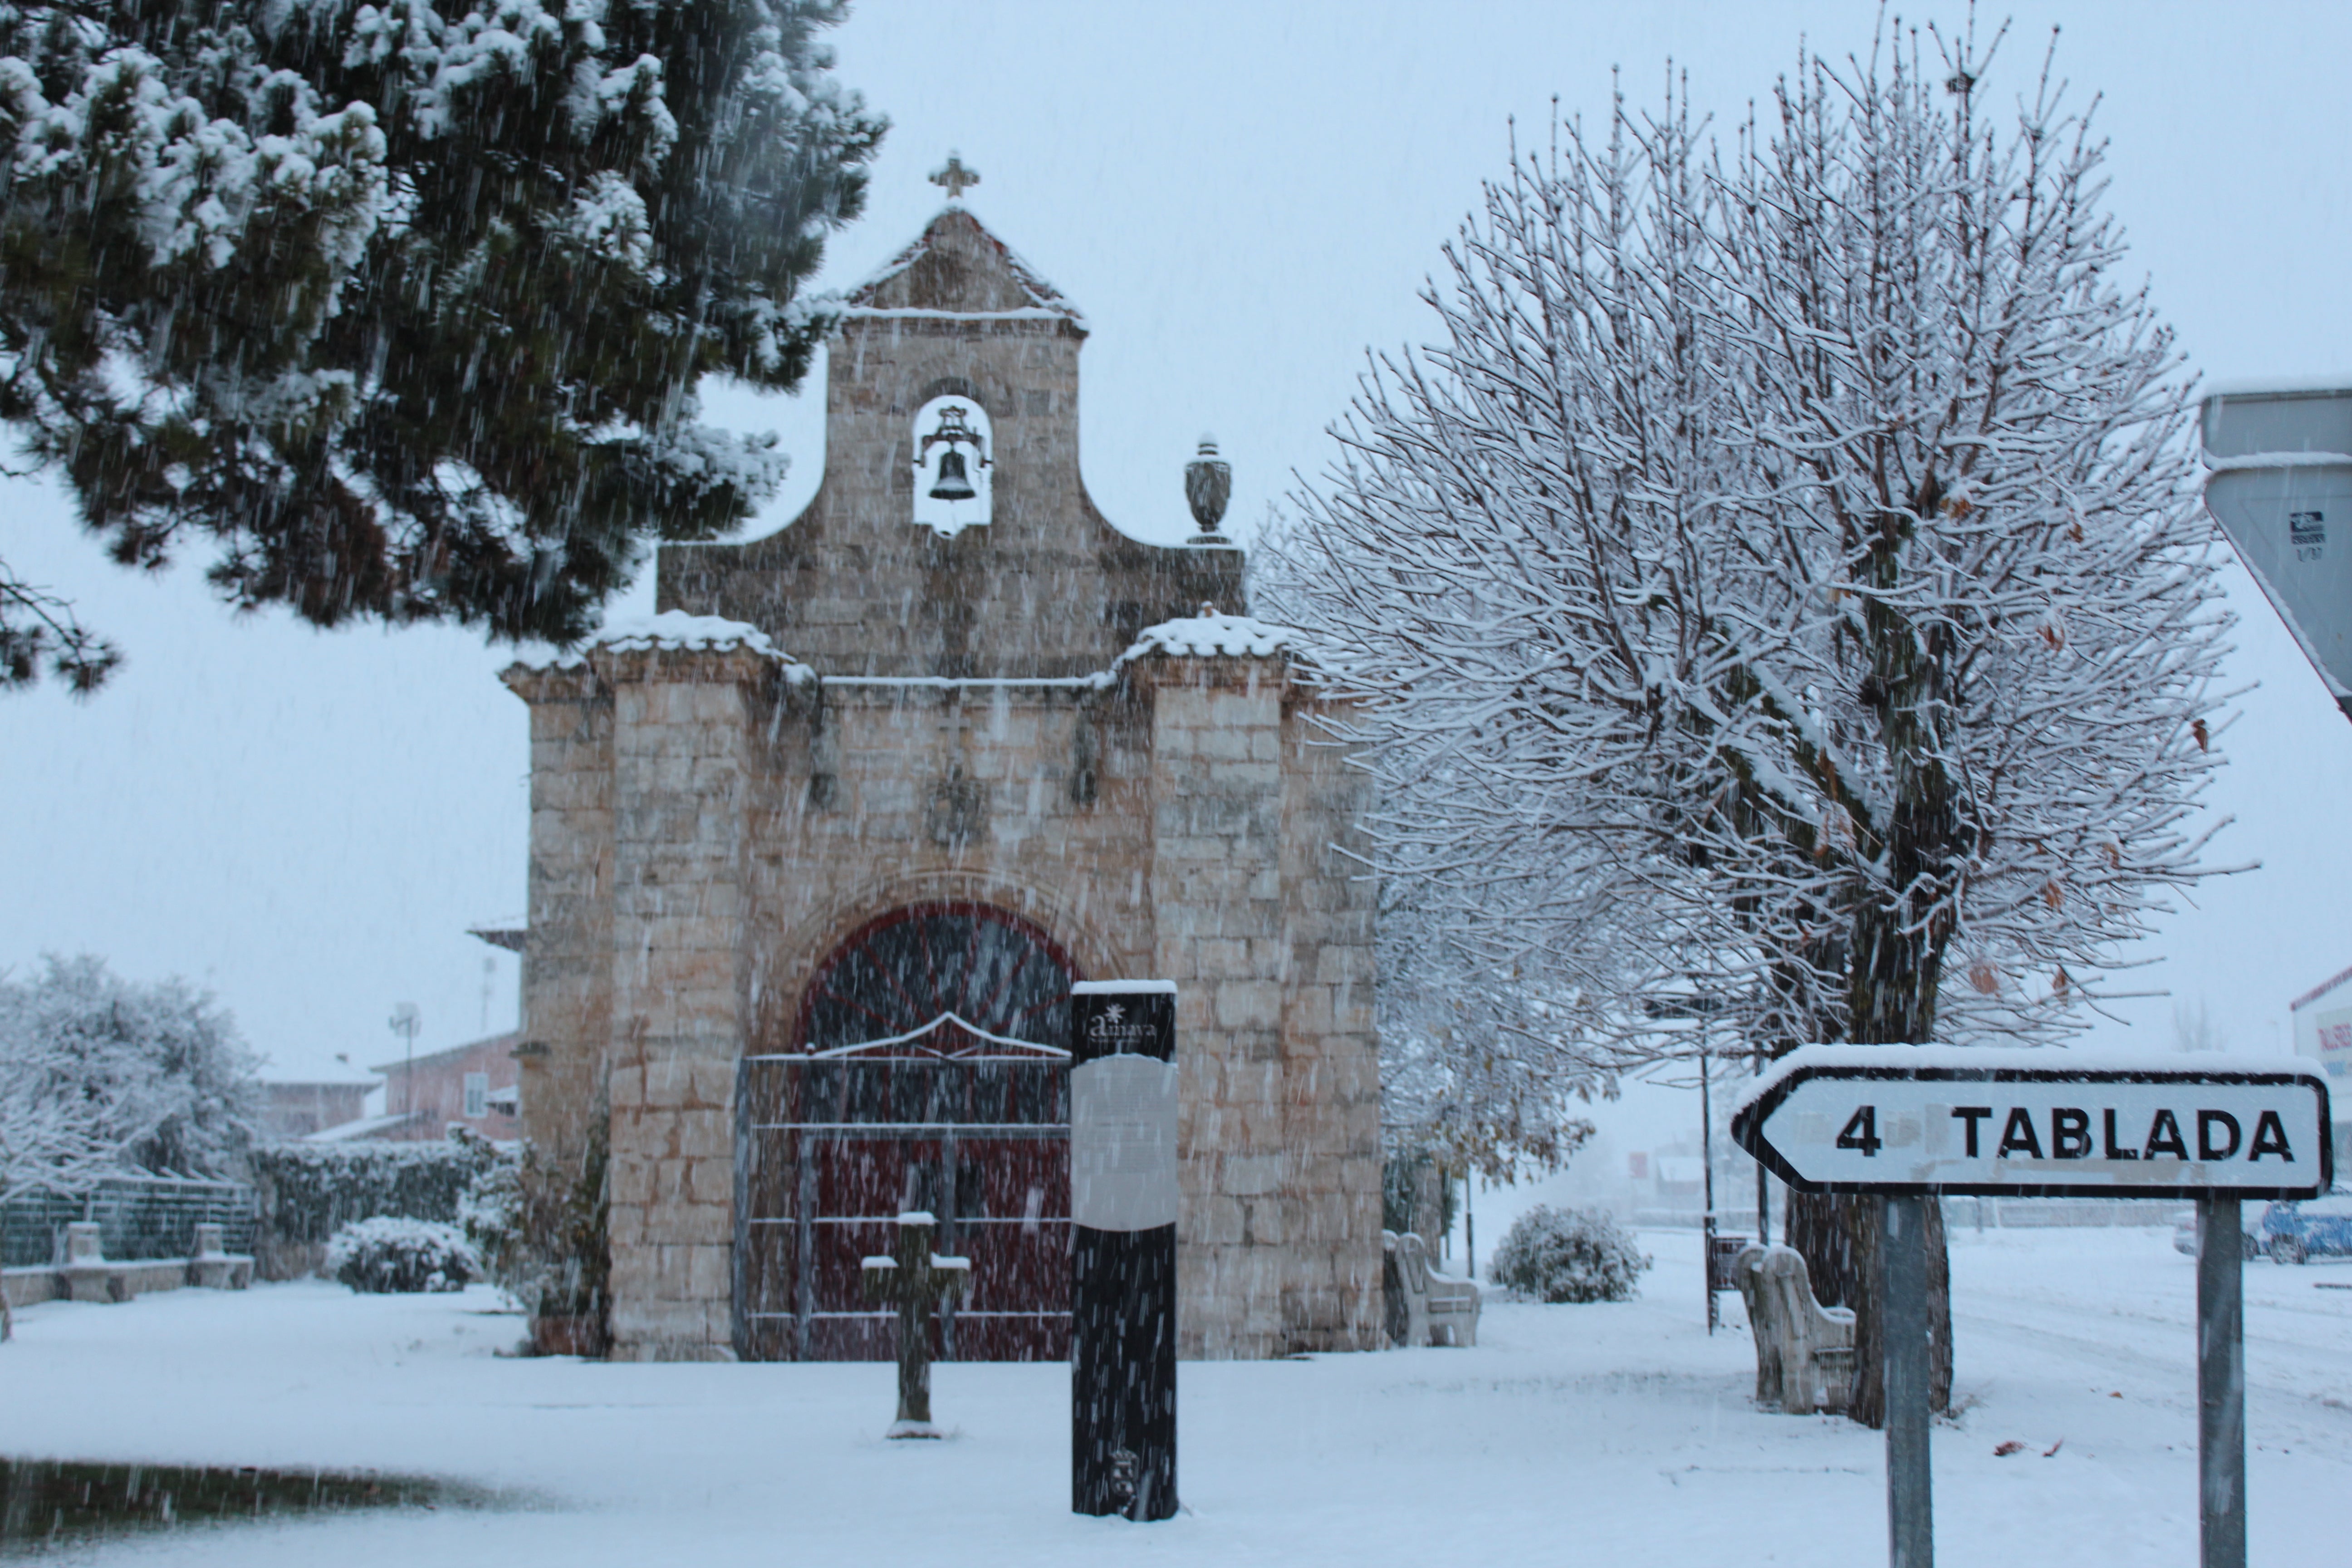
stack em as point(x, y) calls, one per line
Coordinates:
point(1617, 1435)
point(2298, 1329)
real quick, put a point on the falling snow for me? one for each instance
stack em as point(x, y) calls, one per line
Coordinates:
point(1611, 1432)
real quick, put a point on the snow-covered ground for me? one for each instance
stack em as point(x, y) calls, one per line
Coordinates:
point(1618, 1435)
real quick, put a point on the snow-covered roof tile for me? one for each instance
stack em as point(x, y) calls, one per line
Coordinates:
point(1206, 636)
point(672, 631)
point(365, 1127)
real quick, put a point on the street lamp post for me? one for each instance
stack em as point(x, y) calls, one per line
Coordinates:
point(405, 1022)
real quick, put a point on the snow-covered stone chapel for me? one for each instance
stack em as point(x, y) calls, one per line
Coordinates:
point(817, 853)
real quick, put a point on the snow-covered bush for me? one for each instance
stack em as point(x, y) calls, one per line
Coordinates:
point(491, 1210)
point(1569, 1255)
point(387, 1254)
point(538, 1226)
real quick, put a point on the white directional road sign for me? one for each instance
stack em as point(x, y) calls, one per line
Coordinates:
point(2022, 1123)
point(2282, 489)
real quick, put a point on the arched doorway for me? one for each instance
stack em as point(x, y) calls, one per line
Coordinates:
point(926, 1072)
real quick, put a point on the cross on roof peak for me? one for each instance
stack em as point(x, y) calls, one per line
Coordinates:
point(955, 177)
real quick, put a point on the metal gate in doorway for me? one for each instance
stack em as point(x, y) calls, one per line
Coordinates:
point(971, 1127)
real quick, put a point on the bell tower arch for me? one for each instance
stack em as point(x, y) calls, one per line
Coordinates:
point(954, 475)
point(895, 572)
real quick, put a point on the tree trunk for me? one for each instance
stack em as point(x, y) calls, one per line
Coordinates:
point(1894, 967)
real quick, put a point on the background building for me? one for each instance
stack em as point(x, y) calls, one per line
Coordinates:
point(470, 1086)
point(2322, 1031)
point(298, 1106)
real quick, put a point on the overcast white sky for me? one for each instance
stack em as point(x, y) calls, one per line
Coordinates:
point(1241, 197)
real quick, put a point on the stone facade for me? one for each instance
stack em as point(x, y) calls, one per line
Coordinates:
point(1037, 714)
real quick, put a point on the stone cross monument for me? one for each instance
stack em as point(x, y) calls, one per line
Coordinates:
point(916, 1281)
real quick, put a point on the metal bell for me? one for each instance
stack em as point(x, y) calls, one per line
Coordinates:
point(953, 483)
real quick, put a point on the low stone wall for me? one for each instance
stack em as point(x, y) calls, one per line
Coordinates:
point(86, 1275)
point(111, 1281)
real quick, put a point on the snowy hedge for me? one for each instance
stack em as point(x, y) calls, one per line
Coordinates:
point(309, 1191)
point(386, 1255)
point(1569, 1255)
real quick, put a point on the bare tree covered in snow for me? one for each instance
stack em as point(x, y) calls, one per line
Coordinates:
point(99, 1076)
point(156, 1072)
point(1482, 1065)
point(1508, 564)
point(48, 1143)
point(1783, 582)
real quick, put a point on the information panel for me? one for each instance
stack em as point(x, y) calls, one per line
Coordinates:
point(1123, 1201)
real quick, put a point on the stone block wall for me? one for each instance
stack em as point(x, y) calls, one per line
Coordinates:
point(1264, 929)
point(1180, 823)
point(1046, 588)
point(1331, 1101)
point(568, 959)
point(683, 730)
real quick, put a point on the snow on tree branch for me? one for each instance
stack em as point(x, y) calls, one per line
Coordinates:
point(1780, 581)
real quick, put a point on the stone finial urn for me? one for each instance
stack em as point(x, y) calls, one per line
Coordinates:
point(1208, 485)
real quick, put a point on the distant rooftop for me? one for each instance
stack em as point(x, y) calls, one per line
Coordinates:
point(339, 1075)
point(429, 1059)
point(2318, 991)
point(365, 1127)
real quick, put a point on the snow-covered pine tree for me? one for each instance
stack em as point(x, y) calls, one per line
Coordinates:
point(403, 305)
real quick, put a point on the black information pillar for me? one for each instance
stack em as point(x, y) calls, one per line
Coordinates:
point(1123, 1267)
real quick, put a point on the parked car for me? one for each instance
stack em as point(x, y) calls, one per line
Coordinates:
point(2250, 1235)
point(2316, 1228)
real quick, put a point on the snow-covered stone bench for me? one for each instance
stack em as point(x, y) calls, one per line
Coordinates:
point(88, 1275)
point(214, 1269)
point(1804, 1351)
point(1425, 1307)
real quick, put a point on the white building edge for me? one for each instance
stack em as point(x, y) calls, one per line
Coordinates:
point(2323, 1032)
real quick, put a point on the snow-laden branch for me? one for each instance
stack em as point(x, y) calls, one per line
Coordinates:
point(1780, 581)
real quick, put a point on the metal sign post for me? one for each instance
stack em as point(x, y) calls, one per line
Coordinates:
point(1909, 1123)
point(1910, 1508)
point(2221, 1387)
point(1123, 1196)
